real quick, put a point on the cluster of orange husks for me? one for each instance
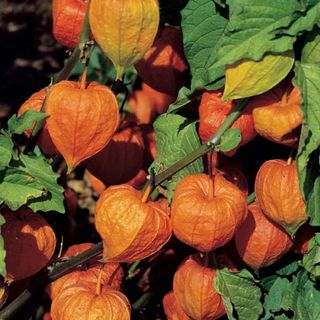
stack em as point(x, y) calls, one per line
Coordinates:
point(207, 211)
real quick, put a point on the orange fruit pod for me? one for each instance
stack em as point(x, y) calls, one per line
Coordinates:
point(131, 228)
point(259, 241)
point(213, 112)
point(82, 302)
point(124, 29)
point(44, 140)
point(112, 273)
point(163, 65)
point(194, 291)
point(277, 115)
point(146, 103)
point(207, 221)
point(278, 194)
point(29, 241)
point(172, 309)
point(121, 160)
point(68, 17)
point(81, 119)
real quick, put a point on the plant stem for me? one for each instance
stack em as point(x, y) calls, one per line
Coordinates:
point(251, 197)
point(76, 54)
point(204, 148)
point(65, 267)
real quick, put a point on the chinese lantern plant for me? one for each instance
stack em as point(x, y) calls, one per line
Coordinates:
point(213, 112)
point(206, 211)
point(259, 241)
point(278, 194)
point(141, 228)
point(29, 241)
point(44, 141)
point(194, 291)
point(121, 159)
point(111, 273)
point(82, 119)
point(172, 308)
point(125, 30)
point(85, 300)
point(277, 115)
point(163, 65)
point(68, 18)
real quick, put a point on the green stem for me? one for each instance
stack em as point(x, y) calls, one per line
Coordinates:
point(42, 280)
point(64, 74)
point(143, 300)
point(132, 269)
point(251, 198)
point(75, 56)
point(203, 149)
point(63, 268)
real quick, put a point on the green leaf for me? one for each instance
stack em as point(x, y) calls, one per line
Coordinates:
point(2, 251)
point(303, 19)
point(230, 140)
point(175, 138)
point(273, 300)
point(288, 270)
point(202, 27)
point(185, 96)
point(250, 32)
point(248, 78)
point(311, 260)
point(26, 121)
point(311, 49)
point(18, 186)
point(39, 168)
point(240, 293)
point(307, 78)
point(302, 297)
point(6, 146)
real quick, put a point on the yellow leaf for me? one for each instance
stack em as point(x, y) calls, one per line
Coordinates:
point(248, 78)
point(124, 29)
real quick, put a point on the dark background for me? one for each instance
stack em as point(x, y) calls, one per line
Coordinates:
point(29, 54)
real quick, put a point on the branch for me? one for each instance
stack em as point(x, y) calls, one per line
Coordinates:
point(65, 267)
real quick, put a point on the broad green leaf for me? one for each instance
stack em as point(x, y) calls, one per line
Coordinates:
point(2, 251)
point(308, 80)
point(273, 300)
point(240, 293)
point(18, 186)
point(288, 270)
point(176, 137)
point(203, 27)
point(302, 297)
point(248, 78)
point(311, 49)
point(6, 146)
point(250, 32)
point(39, 168)
point(303, 19)
point(311, 260)
point(230, 140)
point(26, 121)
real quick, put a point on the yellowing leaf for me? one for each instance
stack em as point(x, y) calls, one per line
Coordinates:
point(248, 78)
